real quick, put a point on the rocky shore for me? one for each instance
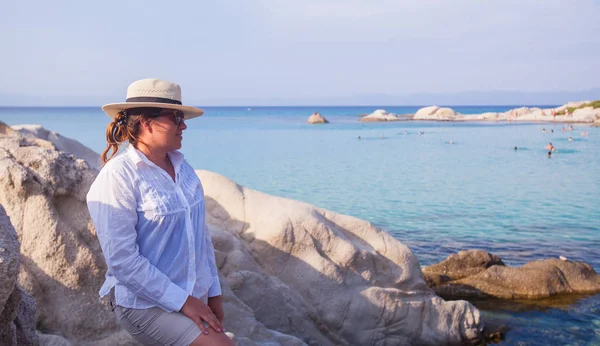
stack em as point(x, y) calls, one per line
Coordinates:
point(572, 112)
point(292, 274)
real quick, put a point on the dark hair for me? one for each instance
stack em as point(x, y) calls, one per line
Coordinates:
point(126, 127)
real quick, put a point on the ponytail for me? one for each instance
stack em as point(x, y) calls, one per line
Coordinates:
point(125, 127)
point(117, 132)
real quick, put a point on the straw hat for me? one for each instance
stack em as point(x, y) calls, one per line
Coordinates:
point(153, 92)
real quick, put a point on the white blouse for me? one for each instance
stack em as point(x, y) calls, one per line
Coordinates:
point(153, 232)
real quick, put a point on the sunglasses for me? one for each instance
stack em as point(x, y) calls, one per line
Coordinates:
point(175, 115)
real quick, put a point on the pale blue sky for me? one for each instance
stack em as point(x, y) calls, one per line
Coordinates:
point(258, 51)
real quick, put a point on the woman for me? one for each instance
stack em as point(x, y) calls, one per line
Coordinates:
point(147, 205)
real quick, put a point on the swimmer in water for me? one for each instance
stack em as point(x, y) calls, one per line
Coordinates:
point(516, 148)
point(570, 139)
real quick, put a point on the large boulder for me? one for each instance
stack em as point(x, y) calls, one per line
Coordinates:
point(9, 263)
point(436, 113)
point(324, 277)
point(476, 274)
point(458, 266)
point(17, 308)
point(317, 118)
point(43, 191)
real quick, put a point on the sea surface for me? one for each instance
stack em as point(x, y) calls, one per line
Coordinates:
point(437, 198)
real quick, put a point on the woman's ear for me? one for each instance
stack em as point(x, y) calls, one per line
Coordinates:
point(147, 125)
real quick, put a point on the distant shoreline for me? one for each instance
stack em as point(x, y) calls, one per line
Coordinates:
point(572, 112)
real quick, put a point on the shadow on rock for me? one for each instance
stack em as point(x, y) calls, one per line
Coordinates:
point(326, 278)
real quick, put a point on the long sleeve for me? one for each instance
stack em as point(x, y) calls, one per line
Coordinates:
point(113, 208)
point(215, 288)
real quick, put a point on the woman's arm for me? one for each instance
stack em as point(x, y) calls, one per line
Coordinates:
point(216, 305)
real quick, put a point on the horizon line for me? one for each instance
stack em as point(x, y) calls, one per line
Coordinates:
point(306, 105)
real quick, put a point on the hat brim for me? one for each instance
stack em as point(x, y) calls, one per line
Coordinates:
point(189, 112)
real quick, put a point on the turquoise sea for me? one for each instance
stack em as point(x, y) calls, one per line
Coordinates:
point(436, 197)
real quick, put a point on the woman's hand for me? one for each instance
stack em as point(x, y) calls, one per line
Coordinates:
point(215, 304)
point(197, 311)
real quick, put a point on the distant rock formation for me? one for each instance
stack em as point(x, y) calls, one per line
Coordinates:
point(17, 308)
point(380, 115)
point(475, 274)
point(317, 118)
point(435, 113)
point(580, 114)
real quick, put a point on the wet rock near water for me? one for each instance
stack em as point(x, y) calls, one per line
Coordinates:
point(476, 274)
point(458, 266)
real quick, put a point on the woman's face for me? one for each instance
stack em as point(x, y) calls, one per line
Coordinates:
point(165, 130)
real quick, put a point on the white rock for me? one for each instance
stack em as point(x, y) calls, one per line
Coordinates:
point(380, 115)
point(436, 113)
point(288, 258)
point(426, 111)
point(61, 143)
point(586, 114)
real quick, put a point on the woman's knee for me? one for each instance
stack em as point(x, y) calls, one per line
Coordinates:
point(213, 339)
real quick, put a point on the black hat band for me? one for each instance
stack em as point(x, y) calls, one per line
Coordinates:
point(153, 99)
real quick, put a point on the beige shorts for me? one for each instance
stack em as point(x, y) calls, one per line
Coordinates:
point(155, 326)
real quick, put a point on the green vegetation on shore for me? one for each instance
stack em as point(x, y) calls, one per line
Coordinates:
point(593, 104)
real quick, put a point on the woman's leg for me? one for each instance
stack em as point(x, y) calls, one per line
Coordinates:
point(155, 326)
point(213, 339)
